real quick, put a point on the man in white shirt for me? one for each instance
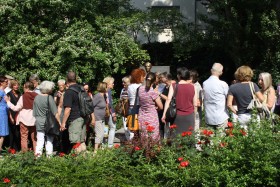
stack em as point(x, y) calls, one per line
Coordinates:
point(215, 94)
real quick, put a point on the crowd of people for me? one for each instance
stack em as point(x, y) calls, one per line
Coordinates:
point(23, 116)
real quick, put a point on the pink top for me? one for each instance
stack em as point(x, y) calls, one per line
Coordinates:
point(184, 98)
point(25, 116)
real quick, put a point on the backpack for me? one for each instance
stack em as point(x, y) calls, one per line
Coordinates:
point(85, 101)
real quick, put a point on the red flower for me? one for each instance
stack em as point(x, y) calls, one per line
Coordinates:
point(6, 180)
point(146, 123)
point(199, 142)
point(76, 145)
point(230, 124)
point(223, 144)
point(244, 133)
point(150, 128)
point(116, 146)
point(137, 148)
point(184, 164)
point(190, 128)
point(180, 159)
point(187, 133)
point(207, 132)
point(229, 133)
point(61, 154)
point(173, 126)
point(12, 151)
point(73, 155)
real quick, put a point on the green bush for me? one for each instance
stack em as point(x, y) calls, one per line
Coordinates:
point(239, 158)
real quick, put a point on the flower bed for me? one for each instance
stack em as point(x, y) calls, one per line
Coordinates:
point(238, 158)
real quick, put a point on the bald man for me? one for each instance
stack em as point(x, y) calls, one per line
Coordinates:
point(215, 93)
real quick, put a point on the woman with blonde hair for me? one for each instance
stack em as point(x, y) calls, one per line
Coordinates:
point(242, 94)
point(112, 118)
point(265, 82)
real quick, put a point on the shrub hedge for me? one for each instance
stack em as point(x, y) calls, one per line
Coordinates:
point(237, 158)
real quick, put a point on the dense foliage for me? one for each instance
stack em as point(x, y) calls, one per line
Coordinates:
point(51, 37)
point(240, 158)
point(236, 33)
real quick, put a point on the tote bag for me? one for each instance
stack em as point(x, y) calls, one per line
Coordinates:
point(171, 111)
point(51, 124)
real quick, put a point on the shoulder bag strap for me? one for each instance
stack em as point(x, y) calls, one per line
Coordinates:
point(252, 89)
point(48, 102)
point(136, 97)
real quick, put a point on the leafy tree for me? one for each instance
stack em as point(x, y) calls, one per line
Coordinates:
point(237, 33)
point(51, 37)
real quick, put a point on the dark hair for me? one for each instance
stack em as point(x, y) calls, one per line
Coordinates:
point(29, 85)
point(194, 76)
point(168, 76)
point(71, 77)
point(183, 73)
point(150, 79)
point(2, 78)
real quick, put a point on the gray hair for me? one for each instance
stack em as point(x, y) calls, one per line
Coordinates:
point(217, 68)
point(61, 81)
point(46, 87)
point(108, 79)
point(34, 77)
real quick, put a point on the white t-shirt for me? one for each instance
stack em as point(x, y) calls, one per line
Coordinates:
point(132, 92)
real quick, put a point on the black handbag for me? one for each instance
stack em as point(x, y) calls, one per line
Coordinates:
point(51, 124)
point(171, 111)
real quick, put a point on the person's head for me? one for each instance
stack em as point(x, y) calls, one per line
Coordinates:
point(71, 77)
point(61, 85)
point(150, 80)
point(46, 87)
point(86, 87)
point(217, 69)
point(137, 76)
point(165, 77)
point(34, 78)
point(9, 80)
point(102, 87)
point(194, 76)
point(110, 82)
point(126, 81)
point(148, 67)
point(28, 86)
point(14, 84)
point(265, 80)
point(243, 74)
point(3, 82)
point(183, 73)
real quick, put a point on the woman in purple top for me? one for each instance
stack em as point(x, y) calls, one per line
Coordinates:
point(149, 101)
